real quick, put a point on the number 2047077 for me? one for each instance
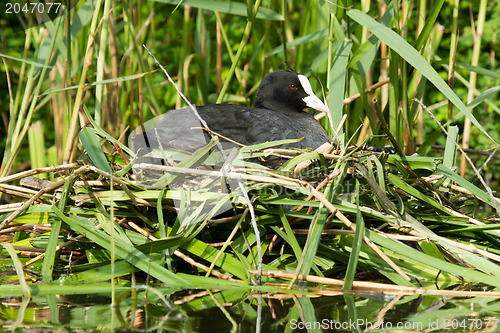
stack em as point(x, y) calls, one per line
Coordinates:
point(32, 8)
point(471, 323)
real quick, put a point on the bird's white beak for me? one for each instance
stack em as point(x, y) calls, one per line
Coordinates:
point(311, 99)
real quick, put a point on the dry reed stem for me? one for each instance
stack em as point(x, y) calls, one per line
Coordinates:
point(10, 207)
point(406, 238)
point(33, 172)
point(54, 185)
point(456, 187)
point(28, 226)
point(28, 203)
point(377, 287)
point(19, 189)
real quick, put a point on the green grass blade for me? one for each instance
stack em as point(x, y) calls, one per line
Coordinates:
point(28, 62)
point(104, 134)
point(37, 147)
point(90, 142)
point(429, 24)
point(352, 310)
point(337, 83)
point(415, 162)
point(407, 52)
point(123, 250)
point(207, 252)
point(19, 268)
point(293, 317)
point(483, 96)
point(49, 260)
point(480, 194)
point(396, 181)
point(450, 150)
point(437, 263)
point(291, 239)
point(356, 245)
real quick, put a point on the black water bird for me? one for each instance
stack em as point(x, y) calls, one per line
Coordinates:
point(278, 114)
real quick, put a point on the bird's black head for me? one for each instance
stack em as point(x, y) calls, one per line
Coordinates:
point(286, 91)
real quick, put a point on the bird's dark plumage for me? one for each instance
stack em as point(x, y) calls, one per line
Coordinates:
point(278, 114)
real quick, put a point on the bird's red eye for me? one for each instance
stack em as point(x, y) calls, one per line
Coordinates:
point(293, 87)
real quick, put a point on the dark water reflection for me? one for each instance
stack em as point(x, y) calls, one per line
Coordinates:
point(237, 311)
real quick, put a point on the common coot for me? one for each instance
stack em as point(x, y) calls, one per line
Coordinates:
point(278, 114)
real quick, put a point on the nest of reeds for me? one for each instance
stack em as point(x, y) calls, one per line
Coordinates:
point(410, 220)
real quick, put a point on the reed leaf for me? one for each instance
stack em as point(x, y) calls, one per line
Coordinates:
point(406, 51)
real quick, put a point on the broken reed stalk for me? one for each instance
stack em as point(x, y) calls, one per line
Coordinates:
point(30, 201)
point(10, 207)
point(32, 198)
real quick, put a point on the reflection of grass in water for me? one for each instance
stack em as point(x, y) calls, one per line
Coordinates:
point(191, 309)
